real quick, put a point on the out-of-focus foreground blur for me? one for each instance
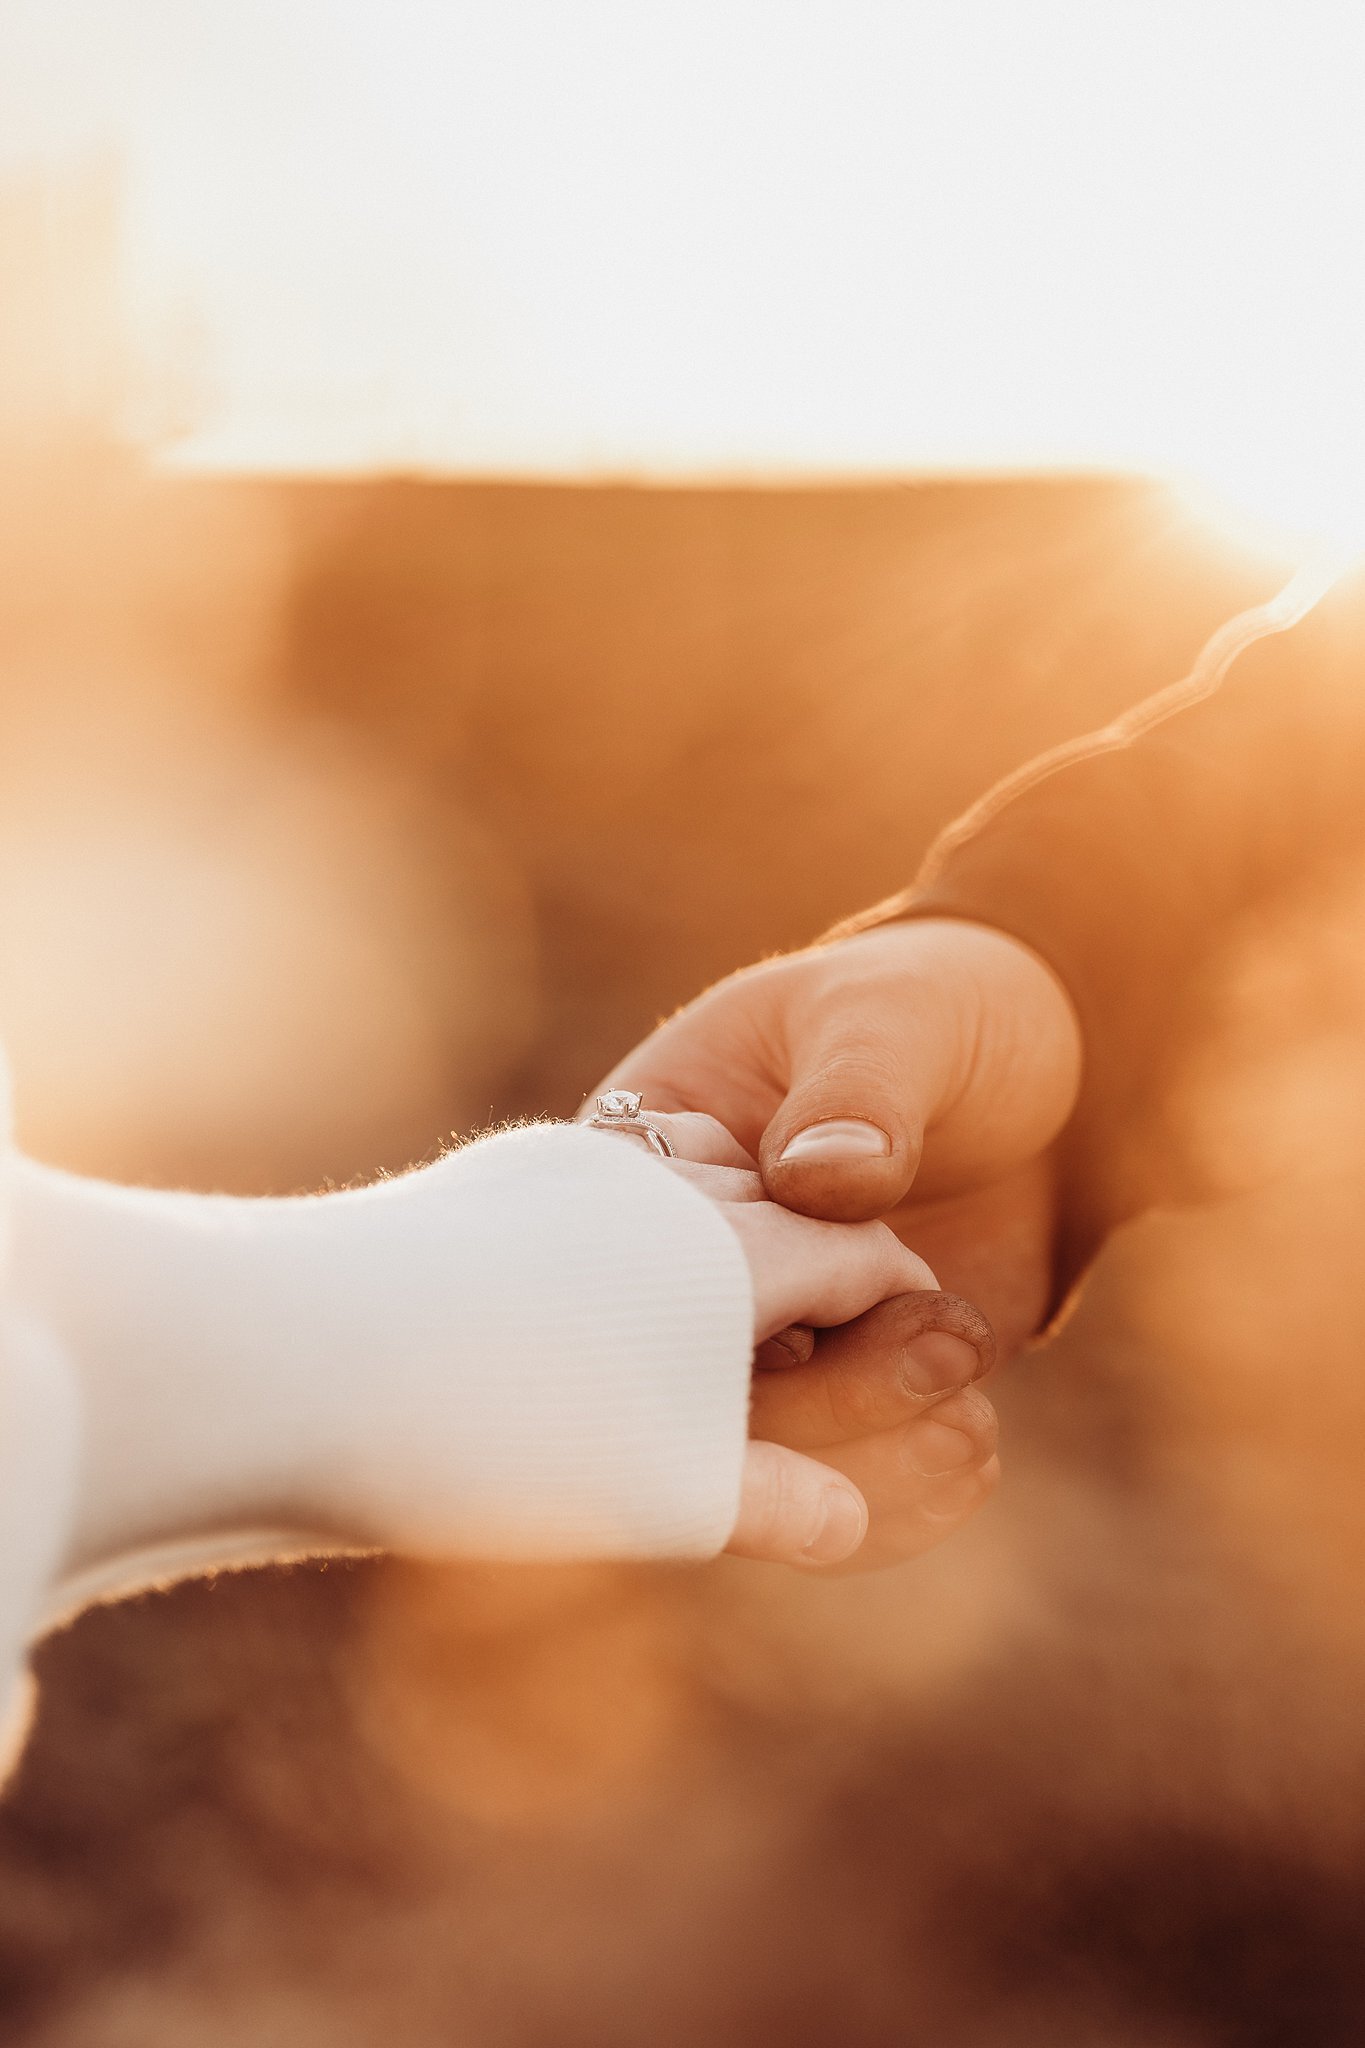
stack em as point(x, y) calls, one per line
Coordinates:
point(338, 815)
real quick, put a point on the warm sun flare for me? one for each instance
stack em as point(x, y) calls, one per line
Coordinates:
point(729, 239)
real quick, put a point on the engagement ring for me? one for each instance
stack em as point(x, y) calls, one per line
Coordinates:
point(619, 1110)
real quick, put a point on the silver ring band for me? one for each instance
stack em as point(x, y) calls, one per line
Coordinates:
point(619, 1110)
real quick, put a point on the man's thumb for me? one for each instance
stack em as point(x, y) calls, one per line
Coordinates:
point(846, 1142)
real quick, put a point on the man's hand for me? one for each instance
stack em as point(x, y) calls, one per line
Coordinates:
point(918, 1073)
point(888, 1408)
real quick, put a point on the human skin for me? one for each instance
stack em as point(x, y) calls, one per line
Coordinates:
point(918, 1074)
point(910, 1353)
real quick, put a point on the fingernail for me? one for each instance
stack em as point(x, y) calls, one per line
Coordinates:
point(796, 1344)
point(843, 1137)
point(953, 1497)
point(938, 1363)
point(842, 1530)
point(932, 1448)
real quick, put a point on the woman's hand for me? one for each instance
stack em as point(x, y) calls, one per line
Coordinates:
point(871, 1439)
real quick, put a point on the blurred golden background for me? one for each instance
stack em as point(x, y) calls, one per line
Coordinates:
point(337, 816)
point(338, 813)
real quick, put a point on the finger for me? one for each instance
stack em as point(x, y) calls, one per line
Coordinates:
point(720, 1183)
point(821, 1273)
point(703, 1139)
point(922, 1481)
point(875, 1373)
point(693, 1135)
point(898, 1469)
point(940, 1510)
point(872, 1054)
point(795, 1511)
point(793, 1346)
point(710, 1057)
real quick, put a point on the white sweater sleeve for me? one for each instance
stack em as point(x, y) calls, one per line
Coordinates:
point(537, 1347)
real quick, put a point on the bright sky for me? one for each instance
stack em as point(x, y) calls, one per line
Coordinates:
point(730, 235)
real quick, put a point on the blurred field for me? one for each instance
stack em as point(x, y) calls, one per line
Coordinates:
point(335, 817)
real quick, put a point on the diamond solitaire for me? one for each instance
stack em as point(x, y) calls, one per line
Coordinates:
point(619, 1110)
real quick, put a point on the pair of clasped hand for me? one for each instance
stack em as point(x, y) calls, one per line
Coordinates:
point(877, 1117)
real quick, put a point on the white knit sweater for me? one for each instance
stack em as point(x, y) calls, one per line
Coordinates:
point(537, 1347)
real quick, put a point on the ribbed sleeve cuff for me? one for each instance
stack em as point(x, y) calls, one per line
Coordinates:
point(537, 1347)
point(598, 1405)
